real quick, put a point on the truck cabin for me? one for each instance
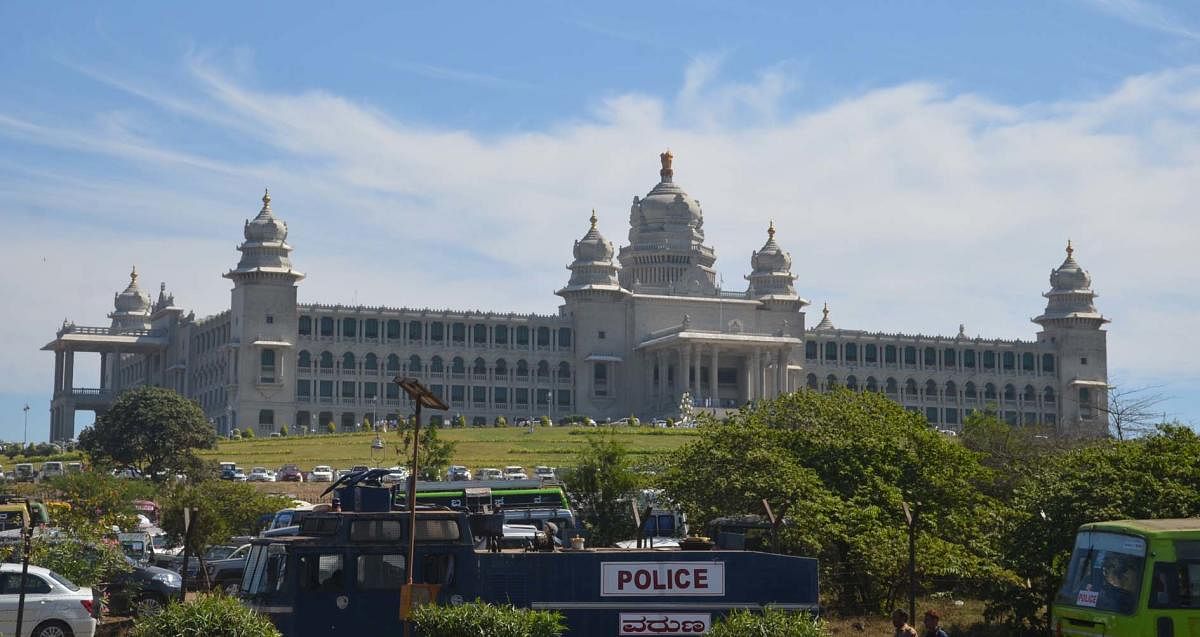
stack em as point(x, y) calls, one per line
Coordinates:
point(341, 564)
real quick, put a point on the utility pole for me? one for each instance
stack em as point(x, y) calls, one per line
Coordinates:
point(910, 516)
point(26, 410)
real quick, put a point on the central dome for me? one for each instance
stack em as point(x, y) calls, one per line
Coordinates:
point(665, 208)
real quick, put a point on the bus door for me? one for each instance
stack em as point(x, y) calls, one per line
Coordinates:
point(268, 584)
point(326, 601)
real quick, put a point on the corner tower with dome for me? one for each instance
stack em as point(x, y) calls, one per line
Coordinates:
point(639, 327)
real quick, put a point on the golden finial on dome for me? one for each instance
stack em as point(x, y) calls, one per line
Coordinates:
point(593, 219)
point(771, 229)
point(266, 198)
point(666, 158)
point(1070, 250)
point(133, 276)
point(825, 310)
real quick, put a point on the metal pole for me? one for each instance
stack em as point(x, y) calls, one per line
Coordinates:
point(26, 410)
point(28, 533)
point(912, 568)
point(412, 511)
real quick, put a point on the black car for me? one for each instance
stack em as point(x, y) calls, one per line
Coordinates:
point(144, 589)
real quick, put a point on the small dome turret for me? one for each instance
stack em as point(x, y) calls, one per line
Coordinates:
point(593, 267)
point(265, 227)
point(1069, 276)
point(1070, 301)
point(825, 323)
point(131, 307)
point(771, 273)
point(593, 247)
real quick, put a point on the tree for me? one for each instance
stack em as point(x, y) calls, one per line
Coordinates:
point(604, 483)
point(225, 509)
point(152, 429)
point(1133, 411)
point(434, 454)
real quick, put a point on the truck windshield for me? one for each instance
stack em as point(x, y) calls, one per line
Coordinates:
point(265, 570)
point(1105, 572)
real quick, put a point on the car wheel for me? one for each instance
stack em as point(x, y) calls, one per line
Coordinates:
point(52, 628)
point(149, 605)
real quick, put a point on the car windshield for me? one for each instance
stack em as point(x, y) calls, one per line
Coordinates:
point(219, 552)
point(71, 586)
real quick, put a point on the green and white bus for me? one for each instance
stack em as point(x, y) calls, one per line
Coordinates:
point(1132, 577)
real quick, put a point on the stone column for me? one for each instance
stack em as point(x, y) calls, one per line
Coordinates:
point(698, 360)
point(685, 368)
point(69, 372)
point(660, 365)
point(58, 372)
point(714, 386)
point(104, 371)
point(747, 377)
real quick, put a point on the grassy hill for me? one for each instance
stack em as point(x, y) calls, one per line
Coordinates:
point(477, 447)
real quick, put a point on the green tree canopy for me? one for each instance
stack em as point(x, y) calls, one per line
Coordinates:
point(434, 454)
point(603, 483)
point(152, 429)
point(225, 509)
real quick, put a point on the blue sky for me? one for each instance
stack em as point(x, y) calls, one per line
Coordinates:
point(924, 161)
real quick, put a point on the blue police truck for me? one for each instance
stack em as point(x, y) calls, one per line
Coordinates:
point(342, 575)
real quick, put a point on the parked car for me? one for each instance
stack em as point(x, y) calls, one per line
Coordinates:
point(52, 469)
point(260, 474)
point(337, 475)
point(195, 580)
point(239, 475)
point(515, 473)
point(543, 472)
point(74, 467)
point(457, 472)
point(489, 473)
point(24, 472)
point(397, 474)
point(289, 473)
point(53, 605)
point(143, 589)
point(321, 473)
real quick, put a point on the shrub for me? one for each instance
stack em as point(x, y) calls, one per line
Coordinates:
point(633, 421)
point(478, 618)
point(283, 430)
point(501, 421)
point(544, 421)
point(460, 421)
point(209, 615)
point(330, 427)
point(771, 622)
point(247, 433)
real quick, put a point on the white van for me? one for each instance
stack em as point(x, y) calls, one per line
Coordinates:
point(52, 469)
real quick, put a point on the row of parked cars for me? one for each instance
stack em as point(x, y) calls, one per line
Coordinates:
point(293, 473)
point(458, 473)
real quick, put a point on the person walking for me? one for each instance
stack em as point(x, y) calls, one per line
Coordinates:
point(933, 624)
point(900, 621)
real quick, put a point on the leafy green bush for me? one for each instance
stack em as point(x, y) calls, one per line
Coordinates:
point(501, 421)
point(478, 618)
point(283, 430)
point(544, 421)
point(248, 432)
point(330, 427)
point(775, 623)
point(208, 615)
point(459, 421)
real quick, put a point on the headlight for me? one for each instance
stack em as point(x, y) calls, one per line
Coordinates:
point(170, 579)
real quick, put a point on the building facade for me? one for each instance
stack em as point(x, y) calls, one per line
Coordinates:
point(639, 330)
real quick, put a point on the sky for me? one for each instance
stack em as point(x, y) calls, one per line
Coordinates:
point(924, 162)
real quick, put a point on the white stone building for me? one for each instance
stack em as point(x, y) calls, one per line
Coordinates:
point(636, 329)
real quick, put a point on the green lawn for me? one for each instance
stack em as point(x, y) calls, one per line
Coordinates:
point(477, 447)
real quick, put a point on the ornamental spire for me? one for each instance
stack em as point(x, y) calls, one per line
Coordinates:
point(133, 277)
point(593, 219)
point(771, 230)
point(667, 173)
point(825, 323)
point(1070, 250)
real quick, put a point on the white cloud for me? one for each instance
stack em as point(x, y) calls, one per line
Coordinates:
point(909, 207)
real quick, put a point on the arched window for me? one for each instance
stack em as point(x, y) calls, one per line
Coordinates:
point(989, 392)
point(543, 369)
point(500, 335)
point(1048, 395)
point(831, 351)
point(931, 389)
point(458, 365)
point(479, 367)
point(436, 365)
point(1029, 395)
point(1027, 362)
point(501, 367)
point(305, 360)
point(305, 326)
point(890, 386)
point(348, 361)
point(910, 388)
point(1047, 362)
point(851, 356)
point(811, 381)
point(810, 350)
point(543, 337)
point(326, 360)
point(370, 362)
point(969, 391)
point(458, 333)
point(889, 354)
point(930, 357)
point(349, 328)
point(831, 381)
point(414, 364)
point(416, 331)
point(479, 334)
point(872, 384)
point(564, 371)
point(851, 381)
point(871, 354)
point(437, 332)
point(522, 368)
point(949, 357)
point(951, 390)
point(910, 356)
point(1010, 361)
point(1010, 392)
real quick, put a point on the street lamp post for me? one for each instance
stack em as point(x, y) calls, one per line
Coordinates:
point(26, 410)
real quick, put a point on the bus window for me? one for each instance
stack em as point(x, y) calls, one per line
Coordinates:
point(1175, 585)
point(321, 572)
point(1105, 572)
point(378, 572)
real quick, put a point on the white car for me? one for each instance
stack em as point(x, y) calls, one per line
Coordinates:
point(489, 474)
point(321, 473)
point(260, 474)
point(515, 473)
point(543, 472)
point(54, 607)
point(398, 474)
point(457, 472)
